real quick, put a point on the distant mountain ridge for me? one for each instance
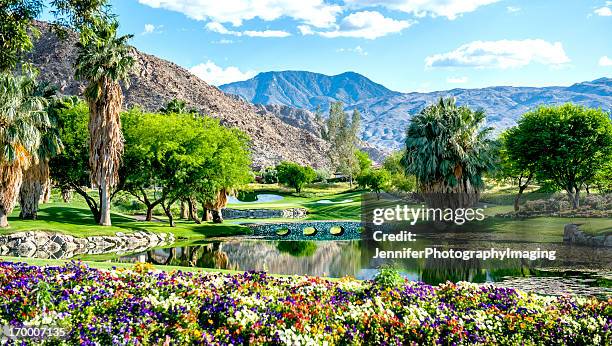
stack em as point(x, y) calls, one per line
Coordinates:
point(307, 90)
point(386, 113)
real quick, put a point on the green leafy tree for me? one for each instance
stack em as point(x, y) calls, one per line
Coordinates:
point(177, 106)
point(374, 179)
point(342, 134)
point(516, 161)
point(569, 144)
point(294, 175)
point(103, 61)
point(22, 115)
point(70, 169)
point(448, 151)
point(177, 157)
point(16, 31)
point(399, 180)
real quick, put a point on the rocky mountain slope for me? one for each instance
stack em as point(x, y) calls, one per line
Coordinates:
point(386, 113)
point(157, 81)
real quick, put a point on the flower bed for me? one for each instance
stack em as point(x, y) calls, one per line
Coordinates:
point(153, 307)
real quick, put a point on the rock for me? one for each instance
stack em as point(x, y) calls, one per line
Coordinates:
point(39, 244)
point(572, 234)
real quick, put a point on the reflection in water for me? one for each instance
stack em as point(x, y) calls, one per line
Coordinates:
point(351, 258)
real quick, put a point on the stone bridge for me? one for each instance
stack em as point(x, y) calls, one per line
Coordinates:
point(309, 230)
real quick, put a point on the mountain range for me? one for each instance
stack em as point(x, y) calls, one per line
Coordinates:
point(386, 113)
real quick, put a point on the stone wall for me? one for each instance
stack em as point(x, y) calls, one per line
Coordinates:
point(350, 230)
point(42, 244)
point(290, 213)
point(572, 234)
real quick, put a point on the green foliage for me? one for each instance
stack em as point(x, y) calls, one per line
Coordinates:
point(294, 175)
point(388, 278)
point(76, 14)
point(183, 155)
point(363, 160)
point(16, 30)
point(342, 134)
point(102, 57)
point(398, 179)
point(269, 175)
point(177, 106)
point(71, 167)
point(447, 147)
point(374, 179)
point(566, 144)
point(22, 116)
point(323, 175)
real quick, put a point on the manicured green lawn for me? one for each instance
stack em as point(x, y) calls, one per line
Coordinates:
point(76, 220)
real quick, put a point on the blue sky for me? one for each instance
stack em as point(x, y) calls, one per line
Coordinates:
point(406, 45)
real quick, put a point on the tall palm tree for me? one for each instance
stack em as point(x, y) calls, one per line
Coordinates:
point(104, 60)
point(448, 150)
point(21, 116)
point(36, 179)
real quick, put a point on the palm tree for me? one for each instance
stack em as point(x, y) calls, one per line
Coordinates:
point(448, 151)
point(104, 60)
point(36, 179)
point(21, 116)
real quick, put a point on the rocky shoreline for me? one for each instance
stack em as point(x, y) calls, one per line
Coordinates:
point(572, 234)
point(51, 245)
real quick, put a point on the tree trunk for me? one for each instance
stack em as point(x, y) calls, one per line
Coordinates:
point(576, 201)
point(3, 219)
point(30, 193)
point(217, 216)
point(517, 199)
point(149, 216)
point(184, 214)
point(193, 210)
point(106, 142)
point(205, 214)
point(91, 203)
point(46, 194)
point(66, 194)
point(10, 180)
point(105, 219)
point(168, 212)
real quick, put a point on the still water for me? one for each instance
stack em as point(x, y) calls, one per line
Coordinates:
point(577, 270)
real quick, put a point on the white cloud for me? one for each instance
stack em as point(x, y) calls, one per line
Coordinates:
point(605, 61)
point(513, 9)
point(604, 11)
point(151, 29)
point(456, 80)
point(366, 24)
point(501, 54)
point(222, 41)
point(305, 30)
point(216, 75)
point(148, 28)
point(358, 50)
point(313, 12)
point(219, 28)
point(450, 9)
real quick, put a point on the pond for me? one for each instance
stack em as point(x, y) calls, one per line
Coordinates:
point(254, 198)
point(579, 270)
